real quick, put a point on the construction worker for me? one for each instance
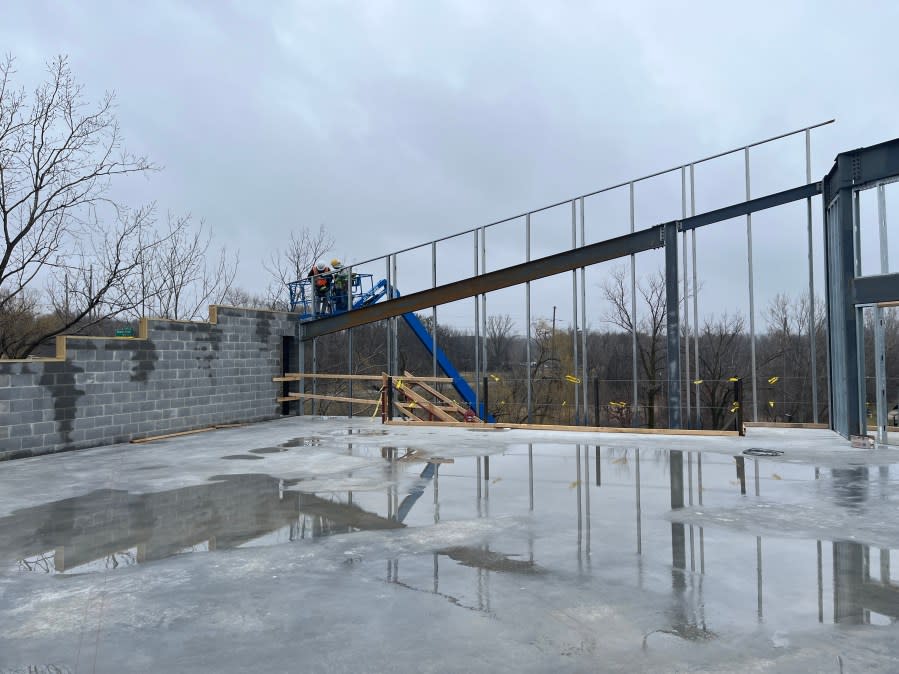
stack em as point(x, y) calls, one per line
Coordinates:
point(320, 288)
point(342, 285)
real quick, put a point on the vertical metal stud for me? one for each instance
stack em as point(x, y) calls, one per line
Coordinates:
point(484, 366)
point(389, 322)
point(477, 333)
point(434, 309)
point(755, 407)
point(880, 371)
point(315, 402)
point(634, 397)
point(584, 386)
point(696, 398)
point(394, 321)
point(574, 321)
point(349, 350)
point(527, 316)
point(812, 332)
point(686, 317)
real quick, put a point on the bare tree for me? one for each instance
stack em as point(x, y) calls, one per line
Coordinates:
point(177, 278)
point(650, 328)
point(499, 339)
point(293, 262)
point(58, 157)
point(722, 355)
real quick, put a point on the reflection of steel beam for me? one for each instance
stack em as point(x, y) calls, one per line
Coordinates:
point(344, 514)
point(880, 598)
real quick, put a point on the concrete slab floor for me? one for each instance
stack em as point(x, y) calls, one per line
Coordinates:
point(311, 544)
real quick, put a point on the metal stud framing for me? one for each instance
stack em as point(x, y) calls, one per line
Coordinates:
point(681, 328)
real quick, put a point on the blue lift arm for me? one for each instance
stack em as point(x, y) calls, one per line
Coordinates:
point(380, 290)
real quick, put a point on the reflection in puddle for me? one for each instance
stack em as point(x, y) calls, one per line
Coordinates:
point(310, 441)
point(629, 504)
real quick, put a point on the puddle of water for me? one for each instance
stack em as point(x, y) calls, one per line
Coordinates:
point(310, 441)
point(268, 450)
point(243, 457)
point(718, 542)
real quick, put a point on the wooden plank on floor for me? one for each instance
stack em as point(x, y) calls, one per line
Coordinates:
point(578, 429)
point(151, 438)
point(782, 424)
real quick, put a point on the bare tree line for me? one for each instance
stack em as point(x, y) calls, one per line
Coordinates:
point(76, 260)
point(783, 357)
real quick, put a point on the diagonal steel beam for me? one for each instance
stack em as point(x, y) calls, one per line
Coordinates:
point(750, 206)
point(610, 249)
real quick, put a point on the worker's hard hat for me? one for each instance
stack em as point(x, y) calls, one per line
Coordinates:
point(320, 266)
point(336, 263)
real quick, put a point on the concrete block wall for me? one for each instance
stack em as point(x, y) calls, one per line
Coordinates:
point(175, 376)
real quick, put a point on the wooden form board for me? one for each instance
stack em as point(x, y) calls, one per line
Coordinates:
point(781, 424)
point(205, 429)
point(452, 405)
point(425, 404)
point(318, 396)
point(577, 429)
point(296, 376)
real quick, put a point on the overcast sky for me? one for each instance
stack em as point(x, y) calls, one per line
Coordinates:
point(392, 123)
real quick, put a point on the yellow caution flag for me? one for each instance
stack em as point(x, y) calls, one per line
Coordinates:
point(494, 377)
point(773, 380)
point(733, 379)
point(698, 381)
point(770, 403)
point(572, 379)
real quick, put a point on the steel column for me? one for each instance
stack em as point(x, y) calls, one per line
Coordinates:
point(672, 308)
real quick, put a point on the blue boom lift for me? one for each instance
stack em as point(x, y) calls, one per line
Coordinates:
point(363, 292)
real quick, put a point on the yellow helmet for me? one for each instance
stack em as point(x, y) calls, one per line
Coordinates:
point(336, 263)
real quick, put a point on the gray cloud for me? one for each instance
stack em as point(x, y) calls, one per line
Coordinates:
point(394, 123)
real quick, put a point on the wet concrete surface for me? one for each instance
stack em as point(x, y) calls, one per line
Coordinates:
point(347, 546)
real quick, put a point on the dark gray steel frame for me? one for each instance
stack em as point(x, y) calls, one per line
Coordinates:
point(847, 294)
point(664, 234)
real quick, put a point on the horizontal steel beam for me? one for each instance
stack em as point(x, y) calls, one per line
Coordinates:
point(610, 249)
point(876, 289)
point(751, 206)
